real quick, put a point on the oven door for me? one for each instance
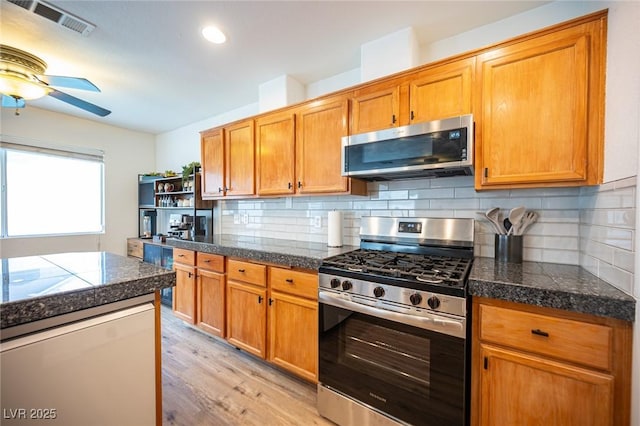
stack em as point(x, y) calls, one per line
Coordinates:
point(414, 373)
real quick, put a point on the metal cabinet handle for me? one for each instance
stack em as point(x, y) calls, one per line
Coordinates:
point(393, 119)
point(290, 185)
point(241, 271)
point(539, 332)
point(207, 261)
point(219, 189)
point(259, 299)
point(190, 274)
point(289, 280)
point(299, 184)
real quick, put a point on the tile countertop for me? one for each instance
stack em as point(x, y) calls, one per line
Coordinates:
point(551, 285)
point(566, 287)
point(291, 253)
point(39, 287)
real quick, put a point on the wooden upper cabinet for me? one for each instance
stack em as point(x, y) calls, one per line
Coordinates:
point(442, 91)
point(375, 108)
point(212, 157)
point(240, 158)
point(540, 110)
point(320, 128)
point(275, 151)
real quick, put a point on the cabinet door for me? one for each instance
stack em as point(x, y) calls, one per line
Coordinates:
point(275, 151)
point(540, 111)
point(320, 129)
point(522, 389)
point(293, 334)
point(442, 92)
point(240, 159)
point(211, 302)
point(184, 293)
point(247, 317)
point(375, 110)
point(212, 153)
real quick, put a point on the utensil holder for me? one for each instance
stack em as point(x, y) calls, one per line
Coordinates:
point(508, 248)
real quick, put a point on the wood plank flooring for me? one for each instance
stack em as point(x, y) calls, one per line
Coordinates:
point(206, 381)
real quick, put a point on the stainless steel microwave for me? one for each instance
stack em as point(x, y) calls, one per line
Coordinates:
point(433, 149)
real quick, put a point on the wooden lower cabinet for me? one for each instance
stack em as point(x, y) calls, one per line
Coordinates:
point(184, 293)
point(293, 322)
point(247, 317)
point(543, 366)
point(522, 389)
point(211, 303)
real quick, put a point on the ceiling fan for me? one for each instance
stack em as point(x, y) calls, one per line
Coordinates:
point(22, 78)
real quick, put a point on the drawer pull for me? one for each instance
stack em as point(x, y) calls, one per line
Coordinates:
point(289, 280)
point(241, 271)
point(181, 255)
point(207, 261)
point(539, 332)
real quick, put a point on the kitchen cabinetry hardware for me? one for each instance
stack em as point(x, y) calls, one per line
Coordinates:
point(289, 186)
point(393, 119)
point(241, 271)
point(190, 274)
point(270, 301)
point(486, 362)
point(539, 332)
point(259, 299)
point(299, 184)
point(289, 280)
point(412, 115)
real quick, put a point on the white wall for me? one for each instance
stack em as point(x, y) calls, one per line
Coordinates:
point(127, 153)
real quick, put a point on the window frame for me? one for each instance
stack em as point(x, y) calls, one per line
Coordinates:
point(8, 143)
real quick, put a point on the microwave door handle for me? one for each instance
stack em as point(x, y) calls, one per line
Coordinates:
point(430, 322)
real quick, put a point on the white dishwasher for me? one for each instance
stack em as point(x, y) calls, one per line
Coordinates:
point(97, 371)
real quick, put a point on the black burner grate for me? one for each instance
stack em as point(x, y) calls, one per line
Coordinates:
point(450, 271)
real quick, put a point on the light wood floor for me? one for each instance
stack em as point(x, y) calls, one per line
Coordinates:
point(206, 381)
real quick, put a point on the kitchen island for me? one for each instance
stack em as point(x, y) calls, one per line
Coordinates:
point(81, 335)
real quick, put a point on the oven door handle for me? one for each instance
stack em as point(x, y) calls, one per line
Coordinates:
point(429, 321)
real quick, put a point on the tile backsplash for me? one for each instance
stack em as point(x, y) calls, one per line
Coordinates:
point(591, 226)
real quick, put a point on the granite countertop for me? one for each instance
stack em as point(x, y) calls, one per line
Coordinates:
point(291, 253)
point(551, 285)
point(565, 287)
point(39, 287)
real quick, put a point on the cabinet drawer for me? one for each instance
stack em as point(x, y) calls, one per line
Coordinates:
point(574, 341)
point(247, 272)
point(135, 248)
point(297, 283)
point(186, 257)
point(211, 262)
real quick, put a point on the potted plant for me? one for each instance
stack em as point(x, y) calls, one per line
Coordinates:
point(190, 169)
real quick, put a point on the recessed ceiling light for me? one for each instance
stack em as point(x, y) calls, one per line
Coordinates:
point(213, 34)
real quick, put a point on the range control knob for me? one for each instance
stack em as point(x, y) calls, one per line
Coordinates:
point(378, 292)
point(433, 302)
point(415, 298)
point(346, 285)
point(334, 282)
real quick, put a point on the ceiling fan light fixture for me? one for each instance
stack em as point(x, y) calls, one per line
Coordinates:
point(214, 34)
point(20, 86)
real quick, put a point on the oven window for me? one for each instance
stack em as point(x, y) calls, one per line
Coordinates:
point(412, 374)
point(402, 356)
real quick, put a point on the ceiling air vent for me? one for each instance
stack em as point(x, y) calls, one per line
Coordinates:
point(57, 15)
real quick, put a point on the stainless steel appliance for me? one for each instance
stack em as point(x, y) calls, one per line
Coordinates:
point(434, 149)
point(394, 344)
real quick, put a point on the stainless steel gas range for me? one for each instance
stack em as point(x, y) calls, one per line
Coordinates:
point(394, 345)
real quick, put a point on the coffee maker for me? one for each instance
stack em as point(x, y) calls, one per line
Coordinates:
point(185, 227)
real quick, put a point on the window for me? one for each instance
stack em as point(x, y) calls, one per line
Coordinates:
point(50, 191)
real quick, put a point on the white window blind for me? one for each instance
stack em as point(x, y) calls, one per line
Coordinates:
point(50, 191)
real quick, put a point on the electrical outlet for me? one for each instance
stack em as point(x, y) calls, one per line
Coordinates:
point(317, 221)
point(245, 218)
point(236, 219)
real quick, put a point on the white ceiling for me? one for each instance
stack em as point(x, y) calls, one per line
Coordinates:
point(157, 73)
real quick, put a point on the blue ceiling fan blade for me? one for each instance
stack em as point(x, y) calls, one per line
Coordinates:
point(11, 102)
point(72, 100)
point(69, 82)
